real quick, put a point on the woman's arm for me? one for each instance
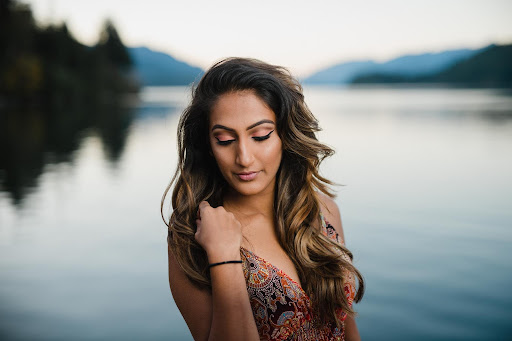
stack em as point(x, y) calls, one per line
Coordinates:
point(332, 215)
point(351, 331)
point(226, 313)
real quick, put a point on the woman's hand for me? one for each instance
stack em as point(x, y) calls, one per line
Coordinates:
point(218, 232)
point(224, 312)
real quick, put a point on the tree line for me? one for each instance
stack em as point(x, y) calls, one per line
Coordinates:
point(55, 91)
point(48, 66)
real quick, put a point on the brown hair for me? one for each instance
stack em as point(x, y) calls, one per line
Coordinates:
point(318, 259)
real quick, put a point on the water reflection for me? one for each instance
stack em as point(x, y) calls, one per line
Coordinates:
point(31, 137)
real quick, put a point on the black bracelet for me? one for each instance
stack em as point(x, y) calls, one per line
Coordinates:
point(226, 262)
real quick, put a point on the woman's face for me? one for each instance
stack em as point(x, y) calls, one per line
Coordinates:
point(245, 143)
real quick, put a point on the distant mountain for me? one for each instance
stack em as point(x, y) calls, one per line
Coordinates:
point(157, 68)
point(340, 73)
point(492, 66)
point(407, 66)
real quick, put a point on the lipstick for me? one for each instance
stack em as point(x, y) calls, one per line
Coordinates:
point(247, 176)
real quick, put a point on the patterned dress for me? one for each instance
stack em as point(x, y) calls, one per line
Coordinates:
point(281, 308)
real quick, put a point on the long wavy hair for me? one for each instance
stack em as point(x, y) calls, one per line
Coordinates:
point(319, 262)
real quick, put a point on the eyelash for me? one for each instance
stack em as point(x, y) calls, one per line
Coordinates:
point(256, 138)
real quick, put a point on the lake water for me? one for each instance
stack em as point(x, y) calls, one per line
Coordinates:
point(425, 195)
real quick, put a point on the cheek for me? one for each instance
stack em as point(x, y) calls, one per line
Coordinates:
point(223, 158)
point(219, 157)
point(273, 153)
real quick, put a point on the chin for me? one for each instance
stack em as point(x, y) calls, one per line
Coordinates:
point(248, 189)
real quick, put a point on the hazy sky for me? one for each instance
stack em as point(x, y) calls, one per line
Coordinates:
point(303, 35)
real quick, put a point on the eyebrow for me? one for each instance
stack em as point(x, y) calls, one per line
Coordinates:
point(220, 126)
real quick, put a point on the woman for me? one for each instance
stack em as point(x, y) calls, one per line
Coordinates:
point(255, 240)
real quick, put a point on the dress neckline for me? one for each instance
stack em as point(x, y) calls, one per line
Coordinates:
point(281, 272)
point(324, 224)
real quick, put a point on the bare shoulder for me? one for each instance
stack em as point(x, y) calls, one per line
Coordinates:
point(331, 213)
point(194, 304)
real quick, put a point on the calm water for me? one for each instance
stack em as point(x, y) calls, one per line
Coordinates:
point(426, 203)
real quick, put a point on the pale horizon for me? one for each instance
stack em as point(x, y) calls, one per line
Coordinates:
point(304, 38)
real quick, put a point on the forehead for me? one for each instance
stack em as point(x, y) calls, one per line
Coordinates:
point(240, 109)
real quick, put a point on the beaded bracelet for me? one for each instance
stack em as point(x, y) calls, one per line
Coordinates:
point(226, 262)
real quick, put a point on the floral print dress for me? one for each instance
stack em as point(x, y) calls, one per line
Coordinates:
point(281, 308)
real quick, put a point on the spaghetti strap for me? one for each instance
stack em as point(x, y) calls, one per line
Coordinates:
point(329, 231)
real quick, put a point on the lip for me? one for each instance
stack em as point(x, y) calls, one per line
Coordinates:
point(247, 176)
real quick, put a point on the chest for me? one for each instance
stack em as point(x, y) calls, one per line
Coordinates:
point(263, 244)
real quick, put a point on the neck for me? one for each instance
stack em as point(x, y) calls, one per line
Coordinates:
point(262, 203)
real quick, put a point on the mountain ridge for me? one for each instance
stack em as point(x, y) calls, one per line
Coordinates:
point(409, 65)
point(156, 68)
point(491, 67)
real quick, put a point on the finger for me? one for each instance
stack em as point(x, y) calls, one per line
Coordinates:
point(203, 205)
point(198, 229)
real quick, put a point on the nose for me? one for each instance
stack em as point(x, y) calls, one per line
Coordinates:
point(244, 155)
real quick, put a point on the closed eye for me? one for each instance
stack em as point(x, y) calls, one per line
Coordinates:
point(262, 138)
point(224, 142)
